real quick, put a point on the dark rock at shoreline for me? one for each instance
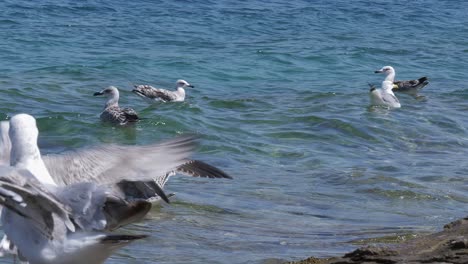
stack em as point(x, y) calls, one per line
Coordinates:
point(447, 246)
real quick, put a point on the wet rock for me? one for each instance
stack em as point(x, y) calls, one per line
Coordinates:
point(447, 246)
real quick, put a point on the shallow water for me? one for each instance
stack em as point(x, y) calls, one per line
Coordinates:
point(281, 103)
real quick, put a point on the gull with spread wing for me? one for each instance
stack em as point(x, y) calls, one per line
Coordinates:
point(95, 208)
point(95, 162)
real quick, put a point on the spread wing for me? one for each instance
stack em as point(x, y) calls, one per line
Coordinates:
point(110, 164)
point(149, 189)
point(197, 168)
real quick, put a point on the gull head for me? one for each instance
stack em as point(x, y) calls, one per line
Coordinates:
point(110, 92)
point(386, 69)
point(183, 84)
point(23, 135)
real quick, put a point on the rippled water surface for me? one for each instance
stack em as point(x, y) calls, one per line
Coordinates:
point(281, 104)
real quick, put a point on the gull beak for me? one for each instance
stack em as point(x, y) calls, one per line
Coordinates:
point(379, 71)
point(98, 93)
point(190, 86)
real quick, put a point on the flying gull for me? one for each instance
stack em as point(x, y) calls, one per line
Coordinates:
point(112, 111)
point(155, 94)
point(95, 162)
point(50, 223)
point(385, 95)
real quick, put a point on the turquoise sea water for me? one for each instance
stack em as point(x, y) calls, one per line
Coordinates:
point(281, 104)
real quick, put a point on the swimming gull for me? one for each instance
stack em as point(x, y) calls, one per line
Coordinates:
point(155, 94)
point(112, 111)
point(409, 86)
point(45, 228)
point(384, 96)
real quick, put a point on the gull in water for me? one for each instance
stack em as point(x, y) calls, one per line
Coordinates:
point(112, 111)
point(385, 95)
point(53, 223)
point(411, 87)
point(155, 94)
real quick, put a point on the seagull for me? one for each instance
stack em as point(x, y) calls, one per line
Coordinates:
point(155, 94)
point(52, 223)
point(100, 161)
point(385, 95)
point(95, 165)
point(410, 86)
point(43, 226)
point(112, 111)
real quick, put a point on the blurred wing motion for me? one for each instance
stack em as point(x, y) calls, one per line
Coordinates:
point(148, 189)
point(110, 164)
point(197, 168)
point(141, 171)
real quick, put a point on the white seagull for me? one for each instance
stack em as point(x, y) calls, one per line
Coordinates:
point(112, 112)
point(51, 223)
point(411, 87)
point(155, 94)
point(385, 95)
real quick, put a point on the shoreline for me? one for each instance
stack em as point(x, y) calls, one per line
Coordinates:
point(447, 246)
